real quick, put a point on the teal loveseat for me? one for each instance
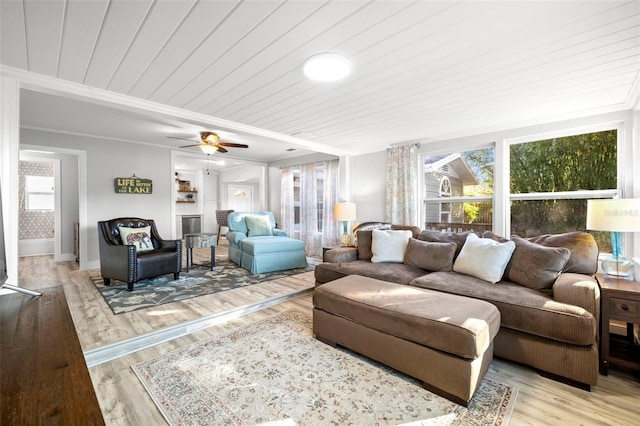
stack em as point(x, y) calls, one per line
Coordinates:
point(258, 246)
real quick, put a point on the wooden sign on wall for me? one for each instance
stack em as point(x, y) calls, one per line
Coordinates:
point(133, 185)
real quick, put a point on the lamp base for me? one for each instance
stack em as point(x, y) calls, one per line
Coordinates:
point(618, 266)
point(345, 240)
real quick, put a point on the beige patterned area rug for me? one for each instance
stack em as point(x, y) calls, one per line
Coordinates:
point(274, 372)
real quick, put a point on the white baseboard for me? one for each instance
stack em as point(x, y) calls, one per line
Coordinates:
point(92, 264)
point(36, 247)
point(65, 257)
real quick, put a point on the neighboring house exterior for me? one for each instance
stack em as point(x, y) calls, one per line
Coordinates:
point(446, 176)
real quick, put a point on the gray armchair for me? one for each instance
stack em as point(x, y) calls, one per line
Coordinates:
point(123, 262)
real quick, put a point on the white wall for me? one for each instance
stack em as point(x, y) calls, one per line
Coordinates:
point(368, 183)
point(107, 160)
point(211, 202)
point(274, 205)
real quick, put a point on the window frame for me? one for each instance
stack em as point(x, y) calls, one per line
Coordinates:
point(454, 199)
point(502, 176)
point(502, 198)
point(50, 194)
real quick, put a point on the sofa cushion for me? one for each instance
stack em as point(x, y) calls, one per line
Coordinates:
point(393, 272)
point(430, 256)
point(140, 238)
point(583, 248)
point(533, 265)
point(256, 246)
point(258, 226)
point(484, 258)
point(364, 244)
point(389, 246)
point(521, 308)
point(452, 324)
point(445, 237)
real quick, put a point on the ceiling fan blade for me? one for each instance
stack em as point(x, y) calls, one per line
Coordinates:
point(189, 146)
point(233, 145)
point(221, 149)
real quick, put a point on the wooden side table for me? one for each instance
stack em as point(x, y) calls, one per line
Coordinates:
point(200, 240)
point(620, 300)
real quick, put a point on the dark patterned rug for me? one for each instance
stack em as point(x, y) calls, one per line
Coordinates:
point(199, 281)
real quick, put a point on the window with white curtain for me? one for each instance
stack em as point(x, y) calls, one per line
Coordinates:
point(308, 194)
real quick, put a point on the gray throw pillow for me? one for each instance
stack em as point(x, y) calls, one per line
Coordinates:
point(436, 257)
point(533, 265)
point(445, 237)
point(583, 248)
point(365, 238)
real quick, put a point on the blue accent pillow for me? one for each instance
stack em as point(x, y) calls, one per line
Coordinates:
point(258, 226)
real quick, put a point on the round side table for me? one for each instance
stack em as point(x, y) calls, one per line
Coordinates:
point(200, 240)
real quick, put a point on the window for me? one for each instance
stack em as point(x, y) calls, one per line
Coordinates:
point(458, 190)
point(320, 196)
point(39, 193)
point(546, 182)
point(551, 180)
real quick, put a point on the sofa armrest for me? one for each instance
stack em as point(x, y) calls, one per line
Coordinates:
point(279, 232)
point(170, 244)
point(235, 237)
point(579, 290)
point(341, 255)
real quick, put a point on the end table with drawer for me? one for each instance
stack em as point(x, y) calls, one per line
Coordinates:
point(620, 301)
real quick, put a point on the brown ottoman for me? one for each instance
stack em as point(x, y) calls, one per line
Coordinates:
point(442, 339)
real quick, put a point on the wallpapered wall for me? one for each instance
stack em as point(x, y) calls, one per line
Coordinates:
point(34, 225)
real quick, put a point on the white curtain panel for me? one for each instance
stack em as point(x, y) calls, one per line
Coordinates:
point(331, 229)
point(287, 214)
point(402, 185)
point(309, 232)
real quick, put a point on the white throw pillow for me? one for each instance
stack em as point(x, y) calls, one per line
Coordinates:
point(138, 237)
point(484, 258)
point(389, 246)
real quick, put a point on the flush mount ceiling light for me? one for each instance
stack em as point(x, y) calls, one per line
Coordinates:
point(327, 67)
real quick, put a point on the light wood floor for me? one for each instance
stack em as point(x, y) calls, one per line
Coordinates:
point(123, 400)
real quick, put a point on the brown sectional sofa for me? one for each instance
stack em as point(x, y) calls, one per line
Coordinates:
point(548, 298)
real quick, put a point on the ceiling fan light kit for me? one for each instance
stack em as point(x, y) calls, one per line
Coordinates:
point(208, 149)
point(327, 67)
point(210, 143)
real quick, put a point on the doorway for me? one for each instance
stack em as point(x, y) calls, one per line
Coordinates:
point(55, 234)
point(38, 204)
point(240, 198)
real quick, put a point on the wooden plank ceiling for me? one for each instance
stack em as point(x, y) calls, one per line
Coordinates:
point(422, 70)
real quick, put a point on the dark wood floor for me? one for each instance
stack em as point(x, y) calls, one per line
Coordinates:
point(44, 378)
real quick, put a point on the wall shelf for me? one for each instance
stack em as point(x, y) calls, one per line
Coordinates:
point(186, 201)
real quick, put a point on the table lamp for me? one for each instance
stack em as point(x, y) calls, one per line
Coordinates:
point(344, 212)
point(616, 216)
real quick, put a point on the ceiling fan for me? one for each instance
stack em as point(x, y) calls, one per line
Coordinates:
point(210, 143)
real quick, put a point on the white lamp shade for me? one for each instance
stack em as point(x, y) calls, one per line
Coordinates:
point(208, 149)
point(344, 211)
point(618, 215)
